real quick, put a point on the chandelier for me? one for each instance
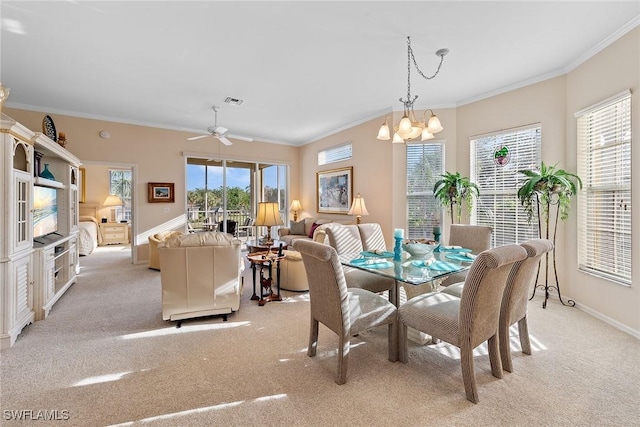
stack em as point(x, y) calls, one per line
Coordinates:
point(409, 127)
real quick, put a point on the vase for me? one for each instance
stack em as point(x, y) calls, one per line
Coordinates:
point(46, 173)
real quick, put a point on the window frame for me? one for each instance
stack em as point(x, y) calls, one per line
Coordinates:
point(505, 195)
point(604, 144)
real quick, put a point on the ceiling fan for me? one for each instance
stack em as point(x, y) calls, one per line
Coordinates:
point(219, 132)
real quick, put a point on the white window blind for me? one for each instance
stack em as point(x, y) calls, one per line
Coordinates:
point(604, 204)
point(335, 154)
point(498, 205)
point(425, 164)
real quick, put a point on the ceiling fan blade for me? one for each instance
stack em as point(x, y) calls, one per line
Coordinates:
point(224, 140)
point(193, 138)
point(241, 138)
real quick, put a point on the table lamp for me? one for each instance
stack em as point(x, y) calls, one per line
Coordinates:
point(358, 208)
point(295, 207)
point(268, 216)
point(112, 201)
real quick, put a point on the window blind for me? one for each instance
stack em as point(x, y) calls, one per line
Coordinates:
point(498, 206)
point(604, 204)
point(425, 164)
point(335, 154)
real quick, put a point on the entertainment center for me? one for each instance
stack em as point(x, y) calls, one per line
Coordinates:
point(39, 227)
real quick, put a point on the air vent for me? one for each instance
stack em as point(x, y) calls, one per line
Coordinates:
point(233, 101)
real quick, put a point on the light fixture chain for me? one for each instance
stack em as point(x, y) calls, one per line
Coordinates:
point(410, 54)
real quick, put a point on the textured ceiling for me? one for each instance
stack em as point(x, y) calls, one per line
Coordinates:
point(304, 69)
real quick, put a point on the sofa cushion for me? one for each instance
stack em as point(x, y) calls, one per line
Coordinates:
point(296, 227)
point(313, 229)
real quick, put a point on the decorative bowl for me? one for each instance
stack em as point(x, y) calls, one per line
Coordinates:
point(419, 249)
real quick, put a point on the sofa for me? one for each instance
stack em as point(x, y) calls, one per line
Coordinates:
point(154, 242)
point(303, 230)
point(201, 275)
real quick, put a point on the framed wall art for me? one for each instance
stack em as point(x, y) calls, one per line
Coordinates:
point(334, 189)
point(161, 192)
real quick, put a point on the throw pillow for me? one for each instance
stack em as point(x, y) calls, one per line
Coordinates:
point(313, 228)
point(296, 227)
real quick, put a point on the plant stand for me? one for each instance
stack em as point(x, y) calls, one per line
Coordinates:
point(546, 285)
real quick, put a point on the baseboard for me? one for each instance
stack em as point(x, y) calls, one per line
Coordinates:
point(608, 320)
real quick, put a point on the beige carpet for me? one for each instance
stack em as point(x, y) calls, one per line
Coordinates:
point(104, 356)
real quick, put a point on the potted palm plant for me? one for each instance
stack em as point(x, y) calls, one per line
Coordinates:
point(542, 188)
point(454, 190)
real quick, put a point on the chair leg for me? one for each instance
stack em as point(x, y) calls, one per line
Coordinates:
point(505, 348)
point(393, 342)
point(343, 359)
point(494, 356)
point(523, 331)
point(402, 342)
point(313, 338)
point(468, 373)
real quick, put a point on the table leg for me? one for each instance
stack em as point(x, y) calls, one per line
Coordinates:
point(394, 291)
point(253, 267)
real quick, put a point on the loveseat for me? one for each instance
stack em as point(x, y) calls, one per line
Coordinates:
point(308, 229)
point(201, 275)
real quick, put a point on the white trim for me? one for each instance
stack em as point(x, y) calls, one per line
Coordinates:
point(615, 98)
point(634, 22)
point(606, 319)
point(506, 131)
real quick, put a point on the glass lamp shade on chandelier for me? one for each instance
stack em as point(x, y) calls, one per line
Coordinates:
point(410, 127)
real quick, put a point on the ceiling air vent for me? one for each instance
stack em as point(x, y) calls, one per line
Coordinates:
point(233, 101)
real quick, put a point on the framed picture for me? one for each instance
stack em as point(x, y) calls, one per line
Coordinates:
point(334, 190)
point(82, 185)
point(161, 192)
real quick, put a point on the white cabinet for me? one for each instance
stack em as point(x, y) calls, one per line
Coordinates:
point(114, 233)
point(56, 264)
point(31, 282)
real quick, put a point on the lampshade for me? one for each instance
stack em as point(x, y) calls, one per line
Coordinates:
point(409, 128)
point(295, 206)
point(112, 200)
point(268, 214)
point(358, 208)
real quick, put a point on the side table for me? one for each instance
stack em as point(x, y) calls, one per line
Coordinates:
point(266, 260)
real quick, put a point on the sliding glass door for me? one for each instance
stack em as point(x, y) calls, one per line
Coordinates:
point(222, 195)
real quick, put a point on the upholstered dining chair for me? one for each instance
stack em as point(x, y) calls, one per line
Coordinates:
point(372, 237)
point(515, 298)
point(346, 239)
point(513, 308)
point(468, 321)
point(345, 311)
point(474, 237)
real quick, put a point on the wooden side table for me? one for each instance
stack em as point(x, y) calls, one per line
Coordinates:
point(266, 260)
point(254, 245)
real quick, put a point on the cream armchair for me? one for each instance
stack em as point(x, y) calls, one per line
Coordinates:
point(154, 241)
point(201, 275)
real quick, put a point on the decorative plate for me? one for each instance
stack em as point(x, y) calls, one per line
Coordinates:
point(49, 129)
point(454, 249)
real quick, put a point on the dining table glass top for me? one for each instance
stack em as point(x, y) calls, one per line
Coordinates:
point(412, 270)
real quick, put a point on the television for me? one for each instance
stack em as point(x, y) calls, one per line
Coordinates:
point(45, 211)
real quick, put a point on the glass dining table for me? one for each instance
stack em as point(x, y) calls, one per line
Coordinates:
point(410, 270)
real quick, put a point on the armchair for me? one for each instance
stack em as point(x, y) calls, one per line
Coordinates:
point(154, 242)
point(201, 275)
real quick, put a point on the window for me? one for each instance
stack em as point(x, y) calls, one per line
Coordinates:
point(425, 164)
point(335, 154)
point(120, 185)
point(604, 204)
point(496, 159)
